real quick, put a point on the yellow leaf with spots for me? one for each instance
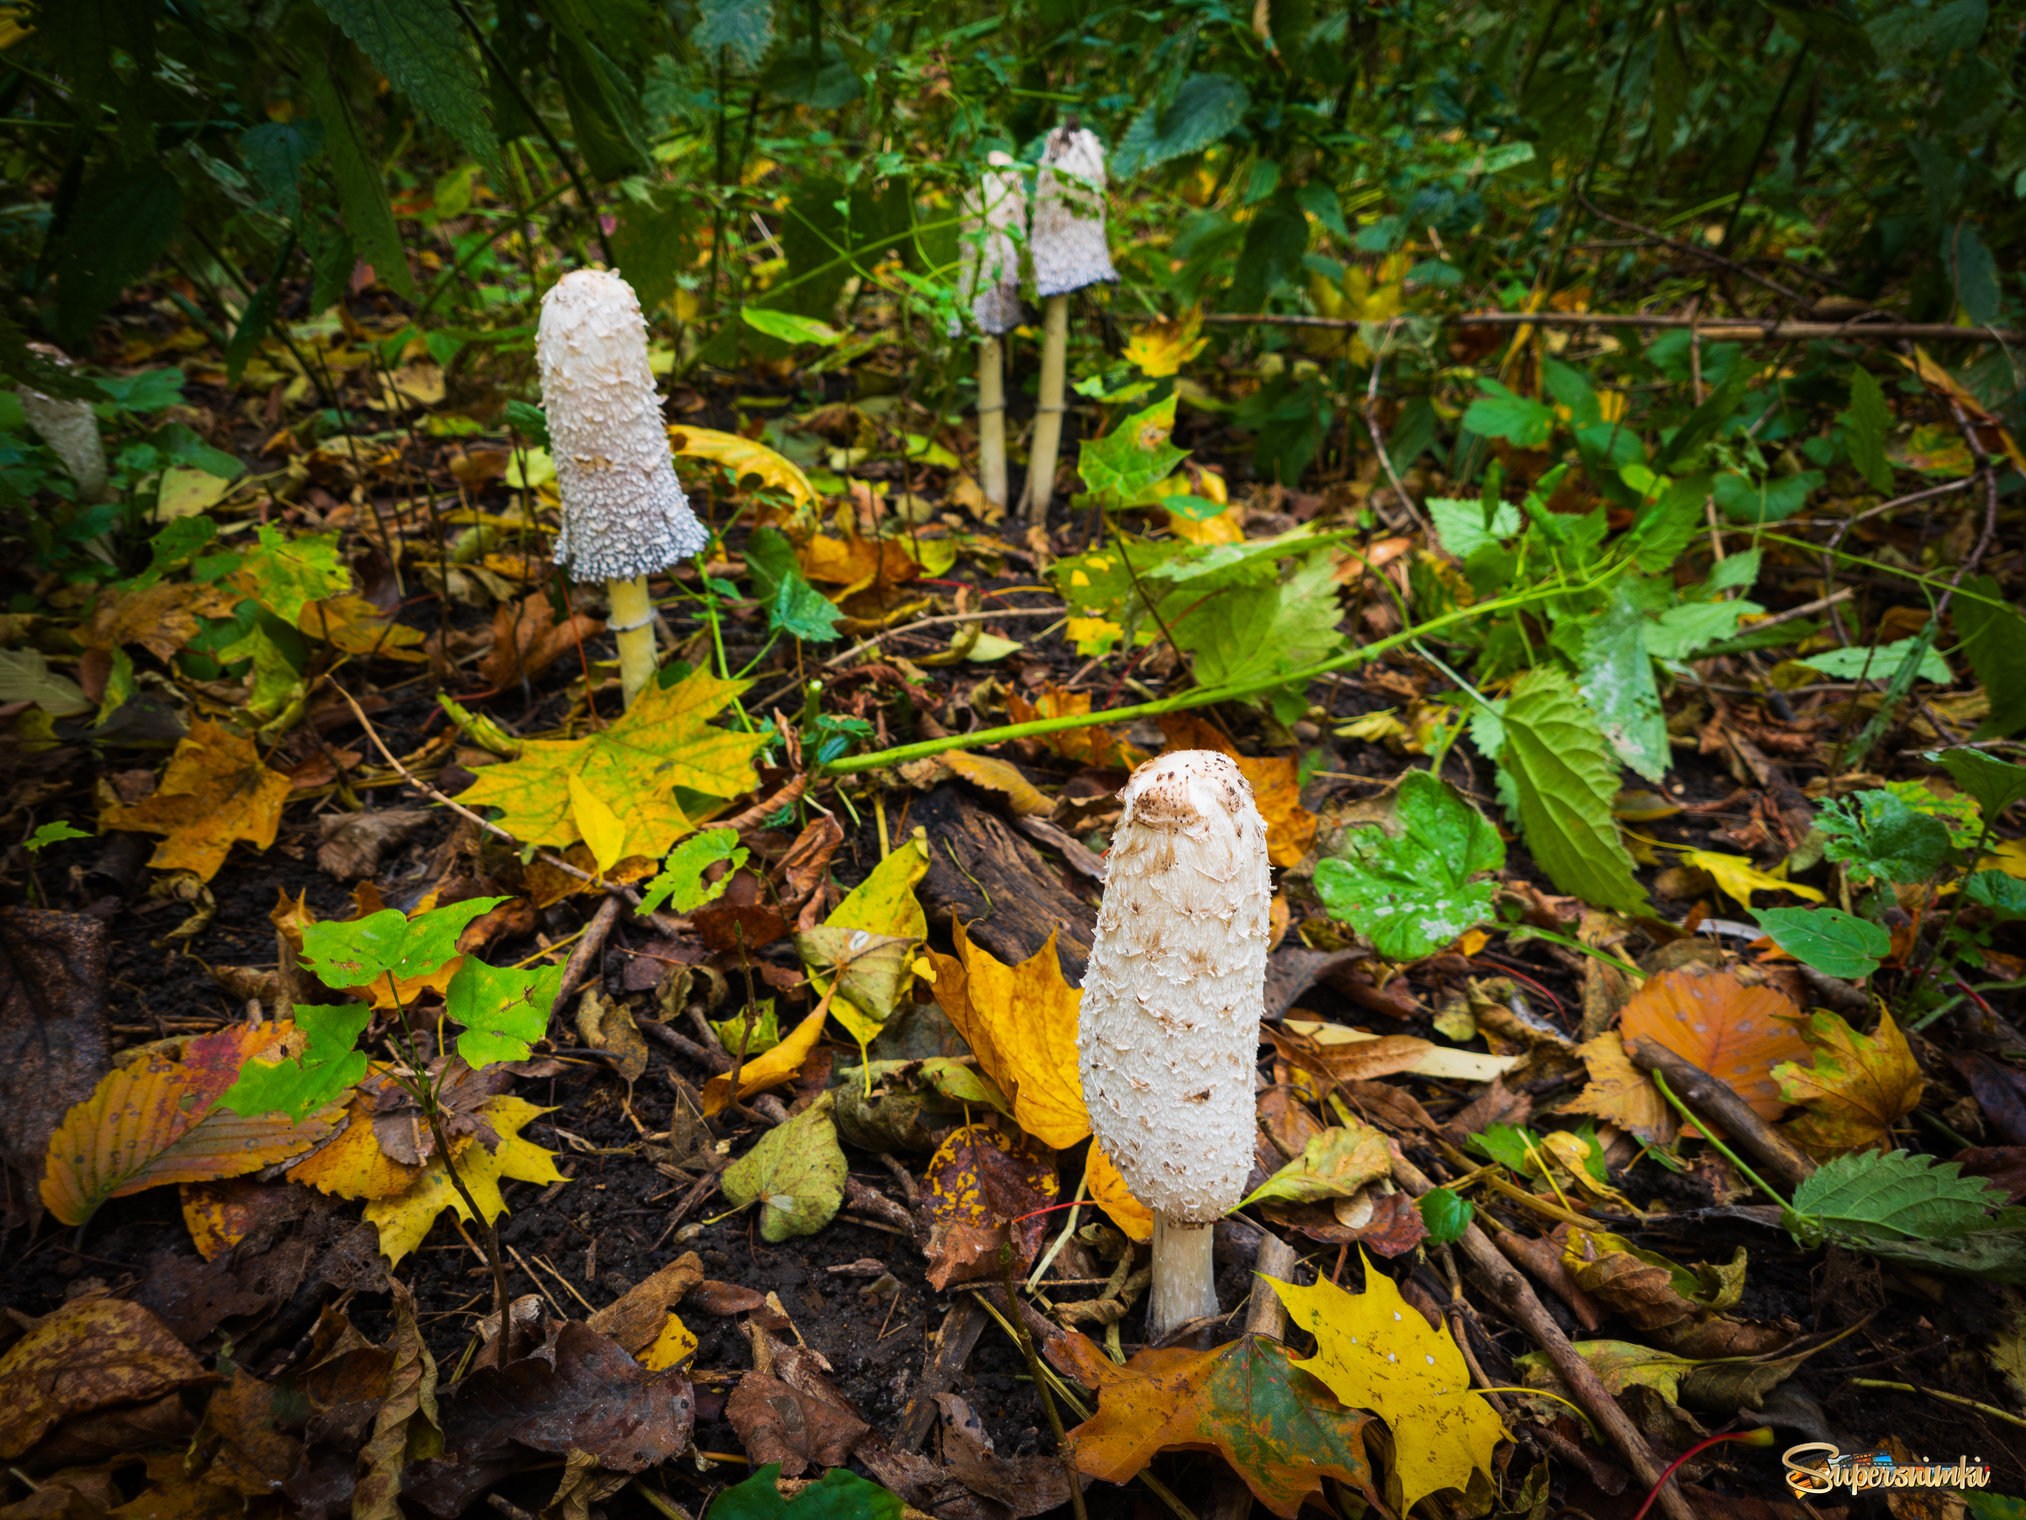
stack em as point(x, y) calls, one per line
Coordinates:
point(1020, 1022)
point(674, 1346)
point(1737, 878)
point(1160, 349)
point(1859, 1087)
point(403, 1219)
point(740, 458)
point(883, 904)
point(217, 792)
point(1374, 1351)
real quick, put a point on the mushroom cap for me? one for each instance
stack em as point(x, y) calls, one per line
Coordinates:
point(1168, 1032)
point(988, 276)
point(1068, 234)
point(624, 513)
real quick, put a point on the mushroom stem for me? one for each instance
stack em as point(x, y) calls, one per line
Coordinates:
point(992, 419)
point(1185, 1276)
point(1048, 415)
point(633, 620)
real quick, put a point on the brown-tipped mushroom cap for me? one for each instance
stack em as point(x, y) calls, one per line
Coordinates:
point(624, 513)
point(988, 278)
point(1068, 232)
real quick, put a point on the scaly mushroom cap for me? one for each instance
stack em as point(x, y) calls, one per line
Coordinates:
point(1169, 1028)
point(988, 278)
point(70, 428)
point(624, 513)
point(1068, 235)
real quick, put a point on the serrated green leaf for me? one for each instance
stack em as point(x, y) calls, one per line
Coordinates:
point(2004, 895)
point(362, 193)
point(793, 605)
point(1459, 523)
point(421, 48)
point(1204, 109)
point(1830, 940)
point(1447, 1215)
point(1856, 664)
point(503, 1009)
point(1870, 420)
point(1893, 1195)
point(1565, 777)
point(1412, 893)
point(1878, 834)
point(1995, 783)
point(680, 883)
point(1119, 468)
point(795, 1174)
point(1617, 682)
point(388, 943)
point(300, 1085)
point(1994, 642)
point(1499, 413)
point(1254, 633)
point(839, 1494)
point(744, 28)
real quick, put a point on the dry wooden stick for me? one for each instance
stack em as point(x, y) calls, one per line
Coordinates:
point(1788, 1164)
point(1532, 1316)
point(588, 948)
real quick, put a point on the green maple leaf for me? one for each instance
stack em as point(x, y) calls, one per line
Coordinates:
point(502, 1008)
point(300, 1085)
point(286, 572)
point(662, 746)
point(388, 943)
point(1119, 467)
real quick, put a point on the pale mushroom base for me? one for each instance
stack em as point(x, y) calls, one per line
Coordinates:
point(1185, 1276)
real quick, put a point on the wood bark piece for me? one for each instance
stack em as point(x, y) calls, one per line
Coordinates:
point(53, 1040)
point(1293, 969)
point(585, 956)
point(1788, 1165)
point(956, 1338)
point(1526, 1310)
point(1009, 898)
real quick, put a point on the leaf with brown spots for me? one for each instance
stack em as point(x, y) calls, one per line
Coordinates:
point(976, 1185)
point(161, 619)
point(1712, 1020)
point(1093, 746)
point(1860, 1086)
point(217, 792)
point(88, 1355)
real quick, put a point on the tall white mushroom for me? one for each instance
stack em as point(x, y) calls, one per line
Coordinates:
point(1168, 1033)
point(988, 279)
point(624, 515)
point(1069, 255)
point(70, 428)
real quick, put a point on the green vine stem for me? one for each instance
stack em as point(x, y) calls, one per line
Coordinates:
point(1725, 1151)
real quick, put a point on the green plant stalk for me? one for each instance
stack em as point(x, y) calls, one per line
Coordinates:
point(1955, 908)
point(1202, 696)
point(1725, 1151)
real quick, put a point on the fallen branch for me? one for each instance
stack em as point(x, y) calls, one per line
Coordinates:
point(1717, 1098)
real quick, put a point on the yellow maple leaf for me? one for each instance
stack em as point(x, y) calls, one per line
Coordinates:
point(883, 904)
point(661, 745)
point(675, 1345)
point(356, 626)
point(1859, 1087)
point(403, 1219)
point(1161, 348)
point(771, 1068)
point(1737, 878)
point(216, 792)
point(1109, 1192)
point(1374, 1351)
point(1020, 1022)
point(353, 1165)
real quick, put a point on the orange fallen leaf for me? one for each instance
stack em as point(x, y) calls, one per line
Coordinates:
point(1109, 1192)
point(771, 1068)
point(1621, 1093)
point(221, 1214)
point(88, 1355)
point(1020, 1022)
point(215, 793)
point(154, 1121)
point(855, 563)
point(1279, 1428)
point(1095, 745)
point(1022, 795)
point(1276, 786)
point(1859, 1087)
point(353, 1165)
point(1715, 1021)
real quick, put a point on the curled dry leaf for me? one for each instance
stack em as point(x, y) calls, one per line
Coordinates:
point(1020, 1022)
point(779, 1423)
point(637, 1318)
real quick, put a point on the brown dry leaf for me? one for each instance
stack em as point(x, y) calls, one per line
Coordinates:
point(154, 1121)
point(161, 619)
point(1859, 1087)
point(607, 1024)
point(974, 1187)
point(1621, 1093)
point(88, 1355)
point(52, 1040)
point(1020, 1022)
point(242, 1427)
point(527, 640)
point(1352, 1061)
point(215, 793)
point(1714, 1021)
point(635, 1319)
point(1276, 786)
point(778, 1423)
point(221, 1214)
point(405, 1424)
point(1094, 746)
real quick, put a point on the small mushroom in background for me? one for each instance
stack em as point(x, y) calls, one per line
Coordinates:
point(988, 280)
point(1168, 1035)
point(70, 428)
point(1067, 238)
point(624, 515)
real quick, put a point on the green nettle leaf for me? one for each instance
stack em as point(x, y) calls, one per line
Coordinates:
point(1460, 523)
point(1412, 893)
point(1878, 835)
point(1832, 941)
point(421, 48)
point(1870, 420)
point(1256, 632)
point(1499, 413)
point(1976, 275)
point(1994, 642)
point(1119, 467)
point(1508, 1145)
point(1564, 778)
point(388, 943)
point(1995, 783)
point(839, 1494)
point(795, 1174)
point(680, 885)
point(362, 192)
point(2003, 894)
point(287, 571)
point(1878, 664)
point(49, 834)
point(503, 1009)
point(1617, 682)
point(745, 28)
point(1204, 109)
point(794, 607)
point(315, 1077)
point(1908, 1207)
point(1447, 1215)
point(123, 220)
